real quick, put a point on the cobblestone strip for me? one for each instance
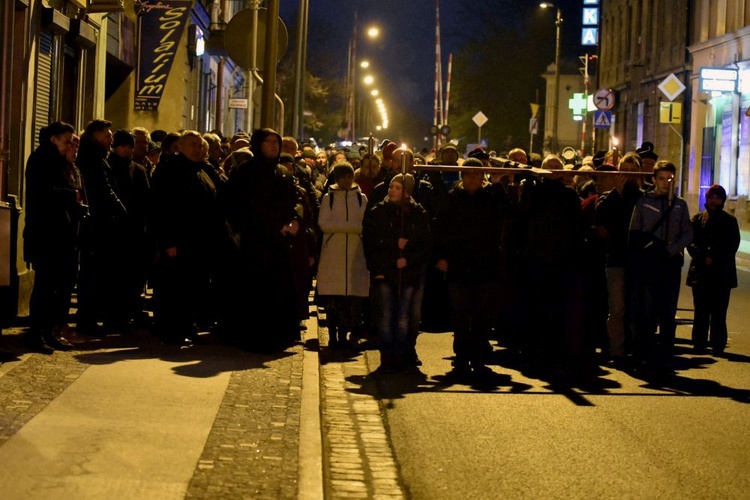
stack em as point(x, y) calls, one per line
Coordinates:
point(28, 387)
point(359, 458)
point(252, 450)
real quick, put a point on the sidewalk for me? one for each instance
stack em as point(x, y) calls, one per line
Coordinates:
point(129, 417)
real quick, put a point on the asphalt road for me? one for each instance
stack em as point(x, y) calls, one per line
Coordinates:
point(519, 437)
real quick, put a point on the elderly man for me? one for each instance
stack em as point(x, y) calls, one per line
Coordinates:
point(185, 224)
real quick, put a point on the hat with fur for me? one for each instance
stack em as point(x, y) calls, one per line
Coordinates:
point(479, 153)
point(406, 181)
point(647, 151)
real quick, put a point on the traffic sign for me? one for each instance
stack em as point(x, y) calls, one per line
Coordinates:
point(602, 119)
point(671, 87)
point(670, 112)
point(533, 126)
point(604, 99)
point(480, 119)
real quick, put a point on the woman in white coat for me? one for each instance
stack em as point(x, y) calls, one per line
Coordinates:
point(342, 280)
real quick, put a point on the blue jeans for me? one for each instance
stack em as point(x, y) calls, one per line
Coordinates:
point(393, 317)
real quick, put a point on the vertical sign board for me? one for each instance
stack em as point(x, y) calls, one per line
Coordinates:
point(590, 24)
point(160, 27)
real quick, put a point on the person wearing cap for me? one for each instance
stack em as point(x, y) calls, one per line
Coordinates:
point(469, 253)
point(265, 213)
point(659, 232)
point(130, 254)
point(153, 152)
point(713, 271)
point(612, 215)
point(648, 156)
point(342, 280)
point(397, 243)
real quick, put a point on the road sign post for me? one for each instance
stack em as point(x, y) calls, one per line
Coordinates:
point(480, 119)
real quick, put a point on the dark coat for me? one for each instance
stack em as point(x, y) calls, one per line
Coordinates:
point(100, 182)
point(184, 211)
point(381, 229)
point(613, 212)
point(719, 239)
point(52, 212)
point(468, 234)
point(260, 200)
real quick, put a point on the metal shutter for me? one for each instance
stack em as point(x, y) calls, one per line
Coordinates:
point(43, 84)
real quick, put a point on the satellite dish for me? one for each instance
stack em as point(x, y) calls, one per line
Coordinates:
point(238, 38)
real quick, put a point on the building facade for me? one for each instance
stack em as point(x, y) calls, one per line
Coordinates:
point(645, 42)
point(158, 64)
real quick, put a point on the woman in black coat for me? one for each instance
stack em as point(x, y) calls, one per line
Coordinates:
point(713, 271)
point(265, 214)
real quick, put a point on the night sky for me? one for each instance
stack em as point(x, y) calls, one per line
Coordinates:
point(404, 54)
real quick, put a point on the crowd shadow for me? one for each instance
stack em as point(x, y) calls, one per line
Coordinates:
point(208, 356)
point(574, 386)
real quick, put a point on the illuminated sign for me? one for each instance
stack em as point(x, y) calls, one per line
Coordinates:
point(160, 27)
point(590, 28)
point(589, 36)
point(590, 16)
point(718, 80)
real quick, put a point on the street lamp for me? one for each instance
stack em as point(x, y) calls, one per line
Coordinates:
point(351, 78)
point(556, 89)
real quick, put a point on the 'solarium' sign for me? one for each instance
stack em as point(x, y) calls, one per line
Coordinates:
point(160, 27)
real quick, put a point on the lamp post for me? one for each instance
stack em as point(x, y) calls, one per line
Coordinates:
point(351, 79)
point(556, 87)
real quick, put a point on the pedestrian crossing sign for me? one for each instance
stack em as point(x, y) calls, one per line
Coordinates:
point(602, 119)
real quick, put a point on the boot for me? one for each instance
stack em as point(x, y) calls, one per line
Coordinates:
point(333, 339)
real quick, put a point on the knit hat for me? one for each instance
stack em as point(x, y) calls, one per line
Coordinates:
point(123, 138)
point(353, 156)
point(340, 169)
point(717, 190)
point(388, 150)
point(406, 181)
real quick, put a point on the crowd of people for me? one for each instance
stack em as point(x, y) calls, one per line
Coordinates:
point(566, 268)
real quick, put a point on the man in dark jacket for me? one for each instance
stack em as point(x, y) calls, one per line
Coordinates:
point(54, 209)
point(612, 217)
point(713, 270)
point(186, 225)
point(468, 248)
point(130, 251)
point(100, 235)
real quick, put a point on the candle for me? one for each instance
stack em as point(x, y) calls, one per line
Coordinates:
point(403, 159)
